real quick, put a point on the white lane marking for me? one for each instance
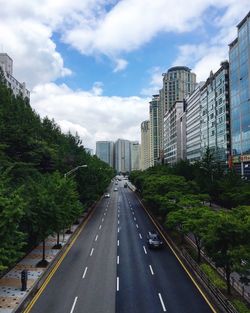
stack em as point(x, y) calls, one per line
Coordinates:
point(162, 303)
point(133, 212)
point(105, 213)
point(100, 226)
point(117, 284)
point(85, 271)
point(118, 230)
point(102, 219)
point(96, 237)
point(134, 219)
point(151, 270)
point(74, 304)
point(118, 215)
point(140, 235)
point(118, 259)
point(92, 250)
point(137, 226)
point(118, 243)
point(144, 249)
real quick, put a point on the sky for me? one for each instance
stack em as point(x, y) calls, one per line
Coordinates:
point(92, 65)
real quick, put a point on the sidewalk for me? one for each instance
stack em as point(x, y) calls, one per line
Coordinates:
point(11, 295)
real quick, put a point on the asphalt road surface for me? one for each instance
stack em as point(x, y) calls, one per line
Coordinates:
point(110, 268)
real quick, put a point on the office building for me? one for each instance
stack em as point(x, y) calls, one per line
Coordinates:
point(193, 121)
point(154, 116)
point(239, 61)
point(145, 145)
point(135, 155)
point(105, 151)
point(122, 156)
point(215, 116)
point(6, 63)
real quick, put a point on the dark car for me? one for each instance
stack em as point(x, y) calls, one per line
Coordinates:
point(154, 240)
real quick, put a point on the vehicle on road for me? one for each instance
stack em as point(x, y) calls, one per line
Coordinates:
point(115, 189)
point(154, 240)
point(125, 185)
point(107, 195)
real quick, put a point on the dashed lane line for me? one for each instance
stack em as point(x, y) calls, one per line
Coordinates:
point(117, 284)
point(145, 251)
point(92, 250)
point(162, 303)
point(85, 271)
point(74, 304)
point(96, 237)
point(140, 235)
point(151, 270)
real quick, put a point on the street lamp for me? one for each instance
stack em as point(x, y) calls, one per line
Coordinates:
point(74, 169)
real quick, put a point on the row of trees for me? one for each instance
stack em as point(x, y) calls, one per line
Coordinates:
point(36, 200)
point(180, 198)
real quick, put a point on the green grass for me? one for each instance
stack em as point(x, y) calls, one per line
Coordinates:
point(240, 306)
point(213, 276)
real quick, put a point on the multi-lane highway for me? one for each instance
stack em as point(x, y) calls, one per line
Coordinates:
point(110, 269)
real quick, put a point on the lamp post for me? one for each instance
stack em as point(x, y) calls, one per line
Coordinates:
point(74, 169)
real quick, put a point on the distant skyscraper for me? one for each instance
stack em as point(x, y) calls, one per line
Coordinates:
point(135, 155)
point(105, 151)
point(145, 145)
point(6, 63)
point(239, 64)
point(215, 118)
point(154, 115)
point(122, 156)
point(178, 82)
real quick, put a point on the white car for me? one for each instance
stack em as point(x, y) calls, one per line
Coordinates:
point(115, 189)
point(107, 195)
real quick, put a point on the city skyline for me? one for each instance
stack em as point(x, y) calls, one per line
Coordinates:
point(89, 67)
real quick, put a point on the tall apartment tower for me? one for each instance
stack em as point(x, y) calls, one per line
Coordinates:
point(215, 117)
point(154, 116)
point(122, 156)
point(145, 145)
point(6, 63)
point(105, 151)
point(239, 65)
point(135, 155)
point(178, 82)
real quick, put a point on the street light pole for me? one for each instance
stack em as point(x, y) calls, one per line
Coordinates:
point(74, 169)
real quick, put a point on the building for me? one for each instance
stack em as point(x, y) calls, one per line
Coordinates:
point(215, 116)
point(89, 151)
point(6, 63)
point(178, 82)
point(105, 151)
point(239, 61)
point(145, 145)
point(193, 121)
point(161, 123)
point(175, 133)
point(135, 155)
point(122, 156)
point(154, 116)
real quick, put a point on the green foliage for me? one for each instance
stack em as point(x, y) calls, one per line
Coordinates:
point(213, 276)
point(240, 306)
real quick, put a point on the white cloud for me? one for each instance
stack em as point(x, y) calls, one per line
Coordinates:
point(121, 64)
point(93, 116)
point(155, 83)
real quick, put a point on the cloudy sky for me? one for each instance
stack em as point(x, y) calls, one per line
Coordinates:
point(92, 65)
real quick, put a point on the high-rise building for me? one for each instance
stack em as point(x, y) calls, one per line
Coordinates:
point(154, 116)
point(145, 145)
point(105, 151)
point(239, 60)
point(161, 123)
point(215, 117)
point(6, 63)
point(178, 82)
point(135, 155)
point(175, 133)
point(122, 156)
point(193, 128)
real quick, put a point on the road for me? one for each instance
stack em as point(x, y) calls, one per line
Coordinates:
point(110, 269)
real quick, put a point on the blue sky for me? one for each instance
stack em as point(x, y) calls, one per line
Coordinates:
point(92, 65)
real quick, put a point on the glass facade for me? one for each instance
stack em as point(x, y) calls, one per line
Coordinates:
point(239, 60)
point(105, 151)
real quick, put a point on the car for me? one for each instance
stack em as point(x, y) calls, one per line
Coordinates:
point(154, 240)
point(115, 189)
point(107, 195)
point(125, 185)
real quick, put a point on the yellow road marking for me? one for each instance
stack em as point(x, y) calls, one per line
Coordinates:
point(47, 280)
point(182, 264)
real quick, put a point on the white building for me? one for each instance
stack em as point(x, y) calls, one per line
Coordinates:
point(122, 156)
point(145, 145)
point(6, 63)
point(135, 155)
